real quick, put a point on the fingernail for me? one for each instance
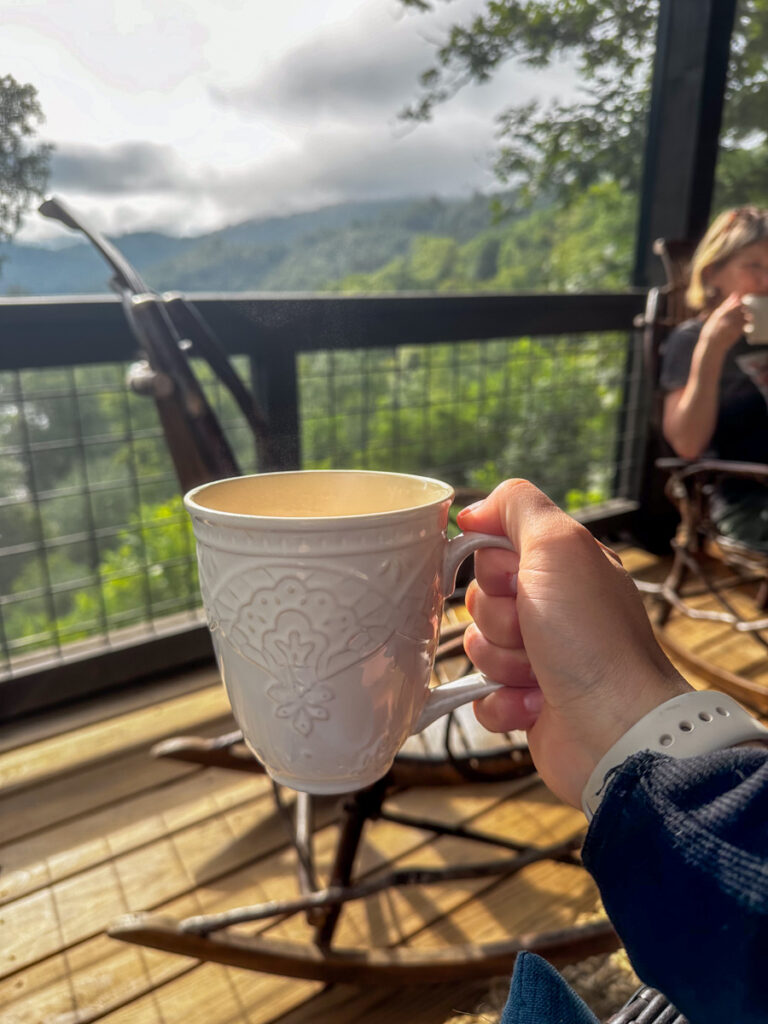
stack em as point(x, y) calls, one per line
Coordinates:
point(533, 701)
point(473, 506)
point(513, 583)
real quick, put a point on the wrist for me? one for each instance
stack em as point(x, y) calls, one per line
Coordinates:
point(712, 348)
point(640, 695)
point(571, 737)
point(697, 722)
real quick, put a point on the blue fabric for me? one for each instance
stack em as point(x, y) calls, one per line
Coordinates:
point(538, 995)
point(679, 850)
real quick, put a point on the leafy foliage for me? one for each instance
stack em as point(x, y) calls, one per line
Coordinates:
point(303, 252)
point(560, 149)
point(565, 147)
point(23, 165)
point(471, 413)
point(585, 247)
point(148, 573)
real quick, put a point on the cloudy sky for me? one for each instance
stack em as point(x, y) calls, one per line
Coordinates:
point(186, 115)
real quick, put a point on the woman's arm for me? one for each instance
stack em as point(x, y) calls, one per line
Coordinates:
point(690, 413)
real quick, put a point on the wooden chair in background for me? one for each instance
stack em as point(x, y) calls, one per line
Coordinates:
point(704, 560)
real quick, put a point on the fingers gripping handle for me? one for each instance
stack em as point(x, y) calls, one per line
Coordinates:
point(446, 698)
point(460, 547)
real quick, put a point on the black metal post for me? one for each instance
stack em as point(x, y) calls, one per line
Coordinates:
point(278, 392)
point(688, 90)
point(687, 95)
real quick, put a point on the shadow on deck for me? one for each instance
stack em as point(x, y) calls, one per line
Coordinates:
point(92, 828)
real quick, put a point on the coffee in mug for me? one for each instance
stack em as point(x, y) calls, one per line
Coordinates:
point(324, 592)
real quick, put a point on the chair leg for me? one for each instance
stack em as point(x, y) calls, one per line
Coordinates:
point(678, 574)
point(358, 808)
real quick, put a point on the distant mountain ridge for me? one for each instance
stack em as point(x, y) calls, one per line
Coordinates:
point(300, 252)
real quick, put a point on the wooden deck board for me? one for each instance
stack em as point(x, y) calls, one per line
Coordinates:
point(93, 827)
point(430, 1004)
point(718, 643)
point(91, 899)
point(60, 754)
point(99, 786)
point(78, 906)
point(57, 853)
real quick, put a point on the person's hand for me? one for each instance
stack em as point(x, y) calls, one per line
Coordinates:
point(563, 626)
point(725, 324)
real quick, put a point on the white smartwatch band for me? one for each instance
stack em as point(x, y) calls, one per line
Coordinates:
point(693, 723)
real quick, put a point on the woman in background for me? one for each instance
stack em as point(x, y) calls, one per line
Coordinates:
point(716, 383)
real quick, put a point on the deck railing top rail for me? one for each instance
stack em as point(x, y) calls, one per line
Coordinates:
point(78, 330)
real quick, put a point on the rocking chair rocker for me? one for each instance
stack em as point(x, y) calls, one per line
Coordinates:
point(169, 332)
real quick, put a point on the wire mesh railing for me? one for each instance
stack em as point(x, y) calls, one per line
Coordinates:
point(551, 409)
point(95, 547)
point(96, 553)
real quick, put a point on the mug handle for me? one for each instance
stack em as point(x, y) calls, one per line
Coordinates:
point(448, 696)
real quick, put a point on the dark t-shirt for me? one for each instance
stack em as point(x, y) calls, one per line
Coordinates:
point(741, 432)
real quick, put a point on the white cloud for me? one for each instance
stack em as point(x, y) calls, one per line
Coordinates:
point(129, 167)
point(337, 76)
point(190, 114)
point(147, 187)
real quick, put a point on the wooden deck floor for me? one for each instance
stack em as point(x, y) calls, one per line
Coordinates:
point(702, 648)
point(91, 827)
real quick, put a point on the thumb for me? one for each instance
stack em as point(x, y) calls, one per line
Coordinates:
point(515, 509)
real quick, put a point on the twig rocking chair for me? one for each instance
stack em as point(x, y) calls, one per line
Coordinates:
point(170, 331)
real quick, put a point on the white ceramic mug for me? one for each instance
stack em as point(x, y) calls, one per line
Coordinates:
point(324, 592)
point(756, 329)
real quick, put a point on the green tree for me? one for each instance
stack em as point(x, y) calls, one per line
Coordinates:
point(585, 247)
point(24, 164)
point(561, 148)
point(471, 413)
point(147, 572)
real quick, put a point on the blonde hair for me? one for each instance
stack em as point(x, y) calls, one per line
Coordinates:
point(728, 234)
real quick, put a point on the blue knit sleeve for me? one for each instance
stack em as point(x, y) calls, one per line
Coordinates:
point(679, 850)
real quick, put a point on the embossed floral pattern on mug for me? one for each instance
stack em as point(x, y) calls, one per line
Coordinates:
point(302, 704)
point(304, 626)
